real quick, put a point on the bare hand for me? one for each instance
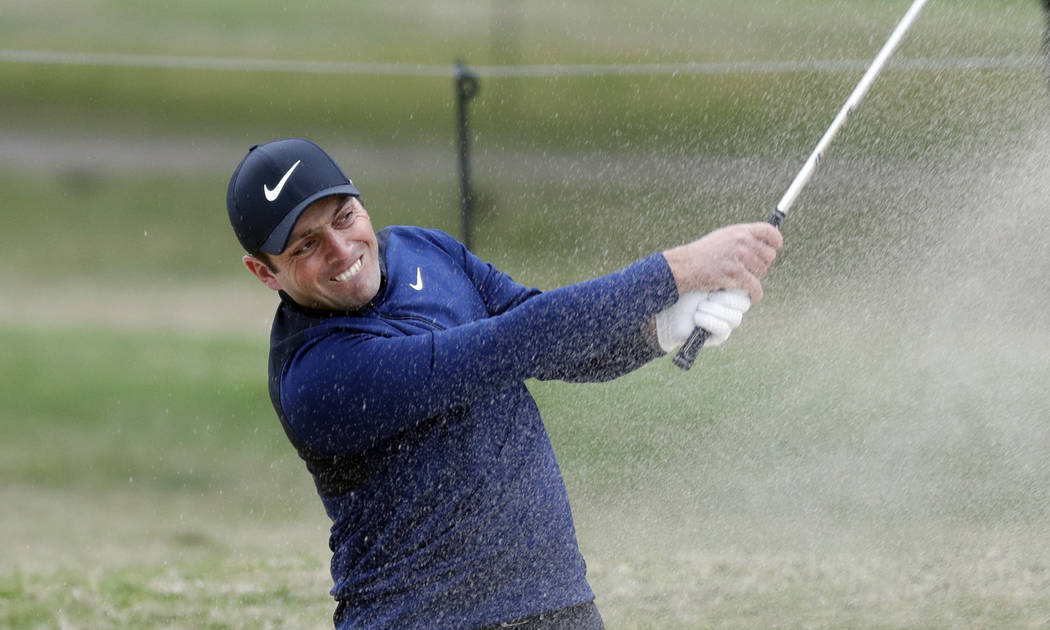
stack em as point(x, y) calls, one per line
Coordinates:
point(734, 257)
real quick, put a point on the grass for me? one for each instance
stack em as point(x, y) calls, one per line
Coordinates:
point(194, 594)
point(729, 114)
point(538, 33)
point(701, 114)
point(155, 489)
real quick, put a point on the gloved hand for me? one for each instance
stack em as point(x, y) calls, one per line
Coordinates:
point(721, 313)
point(718, 313)
point(675, 323)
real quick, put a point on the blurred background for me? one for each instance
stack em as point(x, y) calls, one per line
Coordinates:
point(869, 450)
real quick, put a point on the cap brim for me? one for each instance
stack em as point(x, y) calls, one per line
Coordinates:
point(278, 239)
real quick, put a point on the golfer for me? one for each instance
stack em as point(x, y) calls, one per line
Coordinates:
point(398, 363)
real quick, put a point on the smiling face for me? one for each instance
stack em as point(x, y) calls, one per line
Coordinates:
point(332, 258)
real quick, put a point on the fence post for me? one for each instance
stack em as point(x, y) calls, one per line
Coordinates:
point(467, 86)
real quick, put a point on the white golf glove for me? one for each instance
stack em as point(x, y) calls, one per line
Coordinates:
point(719, 313)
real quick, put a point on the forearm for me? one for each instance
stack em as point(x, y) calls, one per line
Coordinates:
point(633, 350)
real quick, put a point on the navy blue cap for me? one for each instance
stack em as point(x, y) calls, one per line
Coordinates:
point(274, 184)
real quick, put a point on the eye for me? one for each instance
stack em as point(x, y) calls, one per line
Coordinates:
point(305, 248)
point(344, 219)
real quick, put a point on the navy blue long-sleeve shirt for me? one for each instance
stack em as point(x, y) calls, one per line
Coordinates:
point(427, 450)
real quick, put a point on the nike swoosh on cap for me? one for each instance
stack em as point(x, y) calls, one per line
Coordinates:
point(418, 284)
point(271, 195)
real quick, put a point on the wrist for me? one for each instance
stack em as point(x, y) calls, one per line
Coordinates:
point(675, 263)
point(651, 335)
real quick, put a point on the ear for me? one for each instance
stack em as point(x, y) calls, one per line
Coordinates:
point(261, 271)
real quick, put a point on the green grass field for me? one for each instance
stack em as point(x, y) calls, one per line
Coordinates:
point(868, 451)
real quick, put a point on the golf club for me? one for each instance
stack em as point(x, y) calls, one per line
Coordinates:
point(687, 353)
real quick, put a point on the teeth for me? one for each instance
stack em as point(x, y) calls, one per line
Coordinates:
point(349, 273)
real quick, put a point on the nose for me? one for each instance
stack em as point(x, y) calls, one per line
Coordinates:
point(337, 245)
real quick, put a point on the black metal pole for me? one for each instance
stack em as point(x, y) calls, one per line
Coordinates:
point(467, 86)
point(1046, 39)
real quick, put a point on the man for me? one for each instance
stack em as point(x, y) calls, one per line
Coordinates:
point(397, 369)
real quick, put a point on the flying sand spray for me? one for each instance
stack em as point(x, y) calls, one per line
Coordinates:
point(687, 353)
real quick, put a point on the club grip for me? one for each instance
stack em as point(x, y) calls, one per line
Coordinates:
point(687, 353)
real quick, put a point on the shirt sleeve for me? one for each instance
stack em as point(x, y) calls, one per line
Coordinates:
point(631, 349)
point(344, 392)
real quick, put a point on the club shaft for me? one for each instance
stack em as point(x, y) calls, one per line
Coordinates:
point(852, 102)
point(686, 355)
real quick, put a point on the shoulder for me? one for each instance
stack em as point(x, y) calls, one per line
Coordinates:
point(296, 328)
point(397, 234)
point(405, 247)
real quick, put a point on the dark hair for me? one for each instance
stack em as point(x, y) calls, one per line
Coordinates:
point(265, 258)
